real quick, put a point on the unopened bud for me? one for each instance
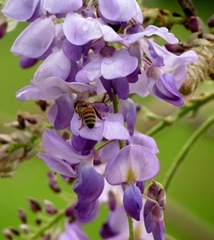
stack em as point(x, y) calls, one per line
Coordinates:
point(25, 229)
point(21, 121)
point(157, 213)
point(3, 28)
point(42, 104)
point(211, 21)
point(47, 237)
point(53, 184)
point(174, 48)
point(15, 231)
point(22, 216)
point(69, 212)
point(49, 207)
point(34, 205)
point(7, 233)
point(38, 221)
point(5, 138)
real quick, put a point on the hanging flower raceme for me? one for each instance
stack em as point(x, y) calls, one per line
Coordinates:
point(95, 54)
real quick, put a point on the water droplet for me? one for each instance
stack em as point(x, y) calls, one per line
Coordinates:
point(85, 27)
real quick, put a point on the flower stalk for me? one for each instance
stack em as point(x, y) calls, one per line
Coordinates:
point(184, 151)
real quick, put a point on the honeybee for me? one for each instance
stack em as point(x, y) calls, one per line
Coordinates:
point(87, 113)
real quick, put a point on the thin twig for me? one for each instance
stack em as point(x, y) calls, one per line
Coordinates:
point(185, 150)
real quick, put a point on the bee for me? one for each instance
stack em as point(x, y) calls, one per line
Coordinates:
point(87, 113)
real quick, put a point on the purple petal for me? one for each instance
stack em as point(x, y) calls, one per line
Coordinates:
point(121, 86)
point(166, 90)
point(63, 112)
point(89, 72)
point(55, 65)
point(128, 109)
point(116, 226)
point(82, 145)
point(72, 51)
point(78, 127)
point(30, 92)
point(30, 43)
point(86, 211)
point(145, 141)
point(62, 6)
point(73, 231)
point(122, 61)
point(85, 188)
point(26, 62)
point(79, 30)
point(56, 146)
point(133, 163)
point(23, 12)
point(109, 151)
point(119, 11)
point(114, 127)
point(132, 201)
point(141, 86)
point(60, 167)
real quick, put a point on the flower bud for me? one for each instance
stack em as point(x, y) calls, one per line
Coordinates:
point(49, 207)
point(211, 21)
point(22, 215)
point(7, 233)
point(34, 205)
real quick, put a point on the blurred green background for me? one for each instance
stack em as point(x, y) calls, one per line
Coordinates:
point(189, 212)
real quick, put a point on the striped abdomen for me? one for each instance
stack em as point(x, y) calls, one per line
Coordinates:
point(89, 117)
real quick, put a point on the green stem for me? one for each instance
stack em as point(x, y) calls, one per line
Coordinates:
point(192, 105)
point(131, 232)
point(185, 150)
point(48, 225)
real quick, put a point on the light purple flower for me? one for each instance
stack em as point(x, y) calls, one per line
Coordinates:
point(133, 163)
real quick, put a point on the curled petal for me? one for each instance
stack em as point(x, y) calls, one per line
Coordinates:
point(30, 43)
point(82, 145)
point(86, 211)
point(132, 201)
point(166, 90)
point(85, 188)
point(58, 166)
point(56, 146)
point(61, 112)
point(128, 109)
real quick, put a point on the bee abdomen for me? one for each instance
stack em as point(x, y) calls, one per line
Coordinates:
point(89, 118)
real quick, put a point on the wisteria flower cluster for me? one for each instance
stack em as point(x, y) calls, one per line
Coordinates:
point(95, 54)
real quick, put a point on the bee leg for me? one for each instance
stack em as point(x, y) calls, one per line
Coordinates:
point(81, 118)
point(97, 113)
